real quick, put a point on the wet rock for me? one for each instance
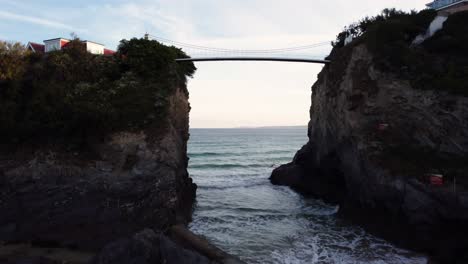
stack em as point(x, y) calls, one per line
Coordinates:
point(33, 260)
point(288, 175)
point(183, 236)
point(147, 247)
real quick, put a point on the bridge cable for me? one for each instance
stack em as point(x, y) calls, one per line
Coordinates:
point(214, 49)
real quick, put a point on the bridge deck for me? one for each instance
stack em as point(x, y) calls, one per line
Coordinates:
point(254, 59)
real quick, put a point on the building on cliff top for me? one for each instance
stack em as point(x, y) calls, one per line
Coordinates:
point(61, 43)
point(448, 7)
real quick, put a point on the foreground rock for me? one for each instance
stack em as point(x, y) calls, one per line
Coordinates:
point(178, 245)
point(182, 236)
point(130, 181)
point(372, 141)
point(29, 254)
point(147, 247)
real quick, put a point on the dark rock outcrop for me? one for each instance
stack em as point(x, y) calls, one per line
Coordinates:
point(147, 247)
point(184, 237)
point(372, 141)
point(31, 260)
point(129, 181)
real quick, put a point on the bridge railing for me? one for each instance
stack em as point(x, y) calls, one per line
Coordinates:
point(283, 59)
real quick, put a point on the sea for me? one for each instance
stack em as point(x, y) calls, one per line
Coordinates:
point(239, 211)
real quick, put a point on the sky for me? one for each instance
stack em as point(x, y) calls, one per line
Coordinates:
point(222, 94)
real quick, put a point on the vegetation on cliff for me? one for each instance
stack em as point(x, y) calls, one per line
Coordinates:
point(75, 94)
point(439, 63)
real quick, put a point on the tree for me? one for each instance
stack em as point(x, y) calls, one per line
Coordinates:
point(150, 59)
point(12, 60)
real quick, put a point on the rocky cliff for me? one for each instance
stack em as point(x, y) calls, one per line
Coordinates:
point(374, 139)
point(129, 181)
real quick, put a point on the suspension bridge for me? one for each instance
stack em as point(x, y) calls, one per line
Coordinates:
point(200, 53)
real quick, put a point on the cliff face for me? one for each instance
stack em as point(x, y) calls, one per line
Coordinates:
point(129, 181)
point(372, 140)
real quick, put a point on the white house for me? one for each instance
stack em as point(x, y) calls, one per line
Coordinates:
point(61, 43)
point(93, 47)
point(55, 44)
point(448, 7)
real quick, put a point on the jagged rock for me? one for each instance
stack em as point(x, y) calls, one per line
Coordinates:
point(288, 175)
point(303, 176)
point(30, 260)
point(147, 247)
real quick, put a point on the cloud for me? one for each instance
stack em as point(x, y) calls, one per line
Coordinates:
point(35, 20)
point(13, 3)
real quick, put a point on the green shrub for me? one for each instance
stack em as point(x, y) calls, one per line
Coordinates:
point(72, 94)
point(446, 58)
point(11, 60)
point(360, 28)
point(453, 37)
point(439, 63)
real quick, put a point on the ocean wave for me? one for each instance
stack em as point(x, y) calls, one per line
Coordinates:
point(208, 154)
point(241, 216)
point(253, 153)
point(312, 250)
point(227, 165)
point(219, 186)
point(234, 175)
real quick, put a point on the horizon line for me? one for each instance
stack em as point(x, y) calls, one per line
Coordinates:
point(249, 127)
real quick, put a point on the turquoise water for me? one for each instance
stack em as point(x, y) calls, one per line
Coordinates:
point(242, 213)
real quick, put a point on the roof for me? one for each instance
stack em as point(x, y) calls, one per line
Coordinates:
point(443, 4)
point(93, 42)
point(70, 40)
point(108, 52)
point(57, 39)
point(66, 44)
point(37, 47)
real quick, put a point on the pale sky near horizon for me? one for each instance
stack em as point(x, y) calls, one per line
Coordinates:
point(222, 94)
